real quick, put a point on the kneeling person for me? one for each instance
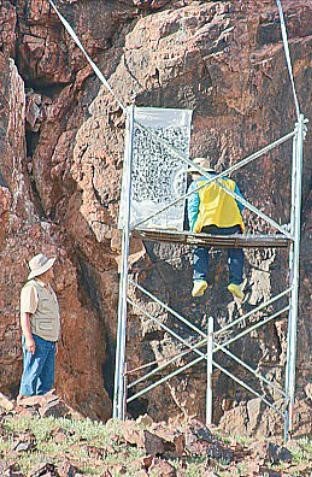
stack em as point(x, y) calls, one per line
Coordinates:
point(40, 322)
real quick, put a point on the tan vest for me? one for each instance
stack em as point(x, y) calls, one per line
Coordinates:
point(45, 322)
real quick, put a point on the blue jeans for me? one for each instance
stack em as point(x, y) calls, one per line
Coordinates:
point(235, 256)
point(38, 368)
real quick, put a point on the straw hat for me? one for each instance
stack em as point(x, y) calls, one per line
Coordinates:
point(202, 162)
point(39, 264)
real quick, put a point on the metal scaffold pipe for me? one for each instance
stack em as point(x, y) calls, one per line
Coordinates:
point(119, 383)
point(294, 255)
point(209, 371)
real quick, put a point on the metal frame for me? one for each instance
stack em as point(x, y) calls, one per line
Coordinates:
point(119, 397)
point(212, 341)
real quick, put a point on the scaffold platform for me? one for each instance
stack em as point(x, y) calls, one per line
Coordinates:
point(207, 240)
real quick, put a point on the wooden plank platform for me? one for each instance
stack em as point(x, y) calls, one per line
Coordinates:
point(205, 240)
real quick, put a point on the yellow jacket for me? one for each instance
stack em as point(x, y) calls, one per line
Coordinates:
point(211, 205)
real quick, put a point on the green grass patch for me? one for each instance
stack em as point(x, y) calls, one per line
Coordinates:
point(302, 451)
point(80, 438)
point(91, 445)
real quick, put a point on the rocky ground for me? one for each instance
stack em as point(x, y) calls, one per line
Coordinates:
point(61, 155)
point(43, 437)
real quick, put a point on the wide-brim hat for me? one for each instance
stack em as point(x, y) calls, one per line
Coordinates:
point(40, 264)
point(202, 162)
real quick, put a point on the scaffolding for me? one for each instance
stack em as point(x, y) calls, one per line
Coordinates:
point(213, 341)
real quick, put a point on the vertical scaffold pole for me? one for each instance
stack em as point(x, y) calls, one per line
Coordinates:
point(119, 382)
point(290, 278)
point(294, 254)
point(209, 371)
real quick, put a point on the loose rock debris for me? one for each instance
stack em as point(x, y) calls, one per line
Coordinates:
point(165, 449)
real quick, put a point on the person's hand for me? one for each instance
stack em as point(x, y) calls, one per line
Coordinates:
point(31, 345)
point(56, 349)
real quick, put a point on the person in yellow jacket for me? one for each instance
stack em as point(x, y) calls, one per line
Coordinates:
point(211, 210)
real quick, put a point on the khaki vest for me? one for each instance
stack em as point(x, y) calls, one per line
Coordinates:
point(45, 322)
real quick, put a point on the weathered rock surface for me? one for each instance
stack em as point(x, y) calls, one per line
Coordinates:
point(61, 145)
point(23, 233)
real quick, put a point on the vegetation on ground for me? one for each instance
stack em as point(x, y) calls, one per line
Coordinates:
point(93, 447)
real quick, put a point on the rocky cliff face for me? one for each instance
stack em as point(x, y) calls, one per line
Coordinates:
point(61, 142)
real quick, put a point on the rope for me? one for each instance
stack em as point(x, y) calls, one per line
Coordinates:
point(287, 54)
point(96, 70)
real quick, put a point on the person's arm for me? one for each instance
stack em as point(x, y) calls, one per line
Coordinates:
point(192, 206)
point(26, 329)
point(29, 303)
point(239, 204)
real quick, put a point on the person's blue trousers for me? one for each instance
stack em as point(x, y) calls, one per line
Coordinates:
point(235, 256)
point(38, 368)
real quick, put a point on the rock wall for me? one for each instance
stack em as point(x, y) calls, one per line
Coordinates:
point(61, 148)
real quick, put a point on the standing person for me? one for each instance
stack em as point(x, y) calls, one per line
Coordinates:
point(211, 210)
point(40, 322)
